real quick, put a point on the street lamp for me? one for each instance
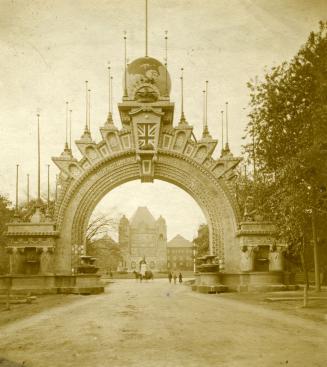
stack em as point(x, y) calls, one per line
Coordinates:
point(194, 253)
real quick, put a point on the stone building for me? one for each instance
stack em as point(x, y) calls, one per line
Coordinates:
point(143, 237)
point(179, 254)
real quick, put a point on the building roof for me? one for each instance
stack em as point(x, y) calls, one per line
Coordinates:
point(142, 215)
point(179, 241)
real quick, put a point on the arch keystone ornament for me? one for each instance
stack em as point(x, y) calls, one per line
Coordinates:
point(148, 148)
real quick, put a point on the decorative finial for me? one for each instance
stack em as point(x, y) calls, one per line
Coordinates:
point(109, 89)
point(206, 107)
point(86, 106)
point(182, 120)
point(89, 95)
point(125, 64)
point(66, 142)
point(222, 132)
point(166, 61)
point(109, 118)
point(226, 145)
point(47, 213)
point(205, 133)
point(70, 129)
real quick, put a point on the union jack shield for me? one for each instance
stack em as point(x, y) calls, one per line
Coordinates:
point(146, 136)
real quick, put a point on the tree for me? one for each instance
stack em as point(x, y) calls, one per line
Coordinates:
point(287, 134)
point(202, 240)
point(99, 226)
point(107, 252)
point(6, 215)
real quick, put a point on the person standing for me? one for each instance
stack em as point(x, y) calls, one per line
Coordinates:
point(180, 278)
point(170, 276)
point(175, 278)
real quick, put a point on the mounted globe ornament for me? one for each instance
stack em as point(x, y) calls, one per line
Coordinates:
point(147, 80)
point(147, 88)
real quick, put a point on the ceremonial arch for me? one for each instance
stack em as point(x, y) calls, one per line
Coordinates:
point(212, 192)
point(148, 146)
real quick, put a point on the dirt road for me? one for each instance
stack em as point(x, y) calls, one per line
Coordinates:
point(155, 324)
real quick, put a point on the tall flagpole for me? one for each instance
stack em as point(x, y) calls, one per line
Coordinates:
point(28, 189)
point(48, 199)
point(226, 123)
point(38, 161)
point(111, 79)
point(17, 166)
point(166, 60)
point(222, 131)
point(146, 28)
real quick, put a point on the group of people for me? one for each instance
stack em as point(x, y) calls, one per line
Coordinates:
point(173, 275)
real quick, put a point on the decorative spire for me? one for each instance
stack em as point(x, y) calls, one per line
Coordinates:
point(222, 132)
point(205, 133)
point(146, 28)
point(166, 60)
point(47, 213)
point(56, 191)
point(125, 64)
point(89, 97)
point(38, 162)
point(86, 107)
point(16, 215)
point(67, 150)
point(66, 142)
point(48, 193)
point(182, 121)
point(109, 118)
point(86, 135)
point(70, 129)
point(226, 145)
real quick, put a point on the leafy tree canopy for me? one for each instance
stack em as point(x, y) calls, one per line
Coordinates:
point(287, 134)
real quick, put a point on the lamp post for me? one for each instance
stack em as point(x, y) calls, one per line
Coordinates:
point(194, 253)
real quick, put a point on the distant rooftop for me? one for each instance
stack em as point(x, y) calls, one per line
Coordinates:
point(179, 241)
point(142, 215)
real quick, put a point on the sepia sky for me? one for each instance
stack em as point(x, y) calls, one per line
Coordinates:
point(50, 47)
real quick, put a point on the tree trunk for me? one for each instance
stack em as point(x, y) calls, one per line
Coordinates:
point(315, 249)
point(306, 279)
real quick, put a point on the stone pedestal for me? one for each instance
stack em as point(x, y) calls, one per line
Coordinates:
point(16, 258)
point(31, 246)
point(276, 258)
point(46, 260)
point(247, 258)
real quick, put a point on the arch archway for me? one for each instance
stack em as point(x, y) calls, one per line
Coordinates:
point(81, 196)
point(148, 147)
